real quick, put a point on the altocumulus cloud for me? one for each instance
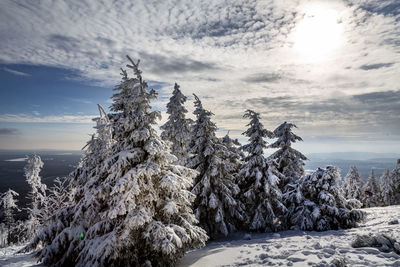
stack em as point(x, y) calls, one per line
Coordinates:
point(233, 55)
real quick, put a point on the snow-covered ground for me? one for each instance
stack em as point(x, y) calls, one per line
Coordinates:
point(298, 248)
point(288, 248)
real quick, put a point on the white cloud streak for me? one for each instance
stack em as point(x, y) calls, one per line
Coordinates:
point(15, 72)
point(24, 118)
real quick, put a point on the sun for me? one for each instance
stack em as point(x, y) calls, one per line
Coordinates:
point(319, 34)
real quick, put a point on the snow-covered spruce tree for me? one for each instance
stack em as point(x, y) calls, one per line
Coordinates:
point(395, 174)
point(352, 185)
point(233, 145)
point(318, 205)
point(371, 192)
point(136, 209)
point(38, 211)
point(97, 150)
point(290, 162)
point(217, 206)
point(9, 205)
point(259, 179)
point(387, 188)
point(177, 128)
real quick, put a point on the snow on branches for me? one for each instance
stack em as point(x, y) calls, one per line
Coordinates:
point(135, 208)
point(217, 206)
point(177, 128)
point(371, 193)
point(38, 212)
point(259, 179)
point(352, 184)
point(317, 203)
point(9, 204)
point(290, 162)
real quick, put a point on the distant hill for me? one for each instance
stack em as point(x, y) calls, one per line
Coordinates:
point(353, 155)
point(364, 161)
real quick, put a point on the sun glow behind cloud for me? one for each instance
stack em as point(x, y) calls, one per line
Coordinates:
point(319, 34)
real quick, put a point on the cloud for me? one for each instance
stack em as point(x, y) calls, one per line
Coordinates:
point(15, 72)
point(376, 66)
point(63, 42)
point(25, 118)
point(234, 56)
point(8, 131)
point(159, 64)
point(263, 78)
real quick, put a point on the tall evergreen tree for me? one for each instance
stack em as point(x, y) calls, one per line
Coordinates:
point(352, 186)
point(136, 208)
point(371, 192)
point(387, 188)
point(38, 211)
point(217, 206)
point(177, 128)
point(318, 205)
point(9, 205)
point(259, 179)
point(290, 162)
point(98, 148)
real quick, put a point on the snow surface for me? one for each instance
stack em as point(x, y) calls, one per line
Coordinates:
point(288, 248)
point(299, 248)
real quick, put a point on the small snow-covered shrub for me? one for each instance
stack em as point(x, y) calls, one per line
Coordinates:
point(381, 241)
point(354, 203)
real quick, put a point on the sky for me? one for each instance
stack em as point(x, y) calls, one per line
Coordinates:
point(331, 67)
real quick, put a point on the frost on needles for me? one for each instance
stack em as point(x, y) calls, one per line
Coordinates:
point(259, 179)
point(317, 203)
point(290, 162)
point(135, 209)
point(177, 128)
point(9, 205)
point(217, 206)
point(352, 184)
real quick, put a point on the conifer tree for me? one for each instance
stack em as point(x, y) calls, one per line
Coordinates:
point(387, 188)
point(9, 204)
point(97, 150)
point(395, 174)
point(217, 206)
point(259, 179)
point(352, 186)
point(316, 203)
point(135, 209)
point(371, 192)
point(233, 145)
point(290, 162)
point(177, 129)
point(38, 211)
